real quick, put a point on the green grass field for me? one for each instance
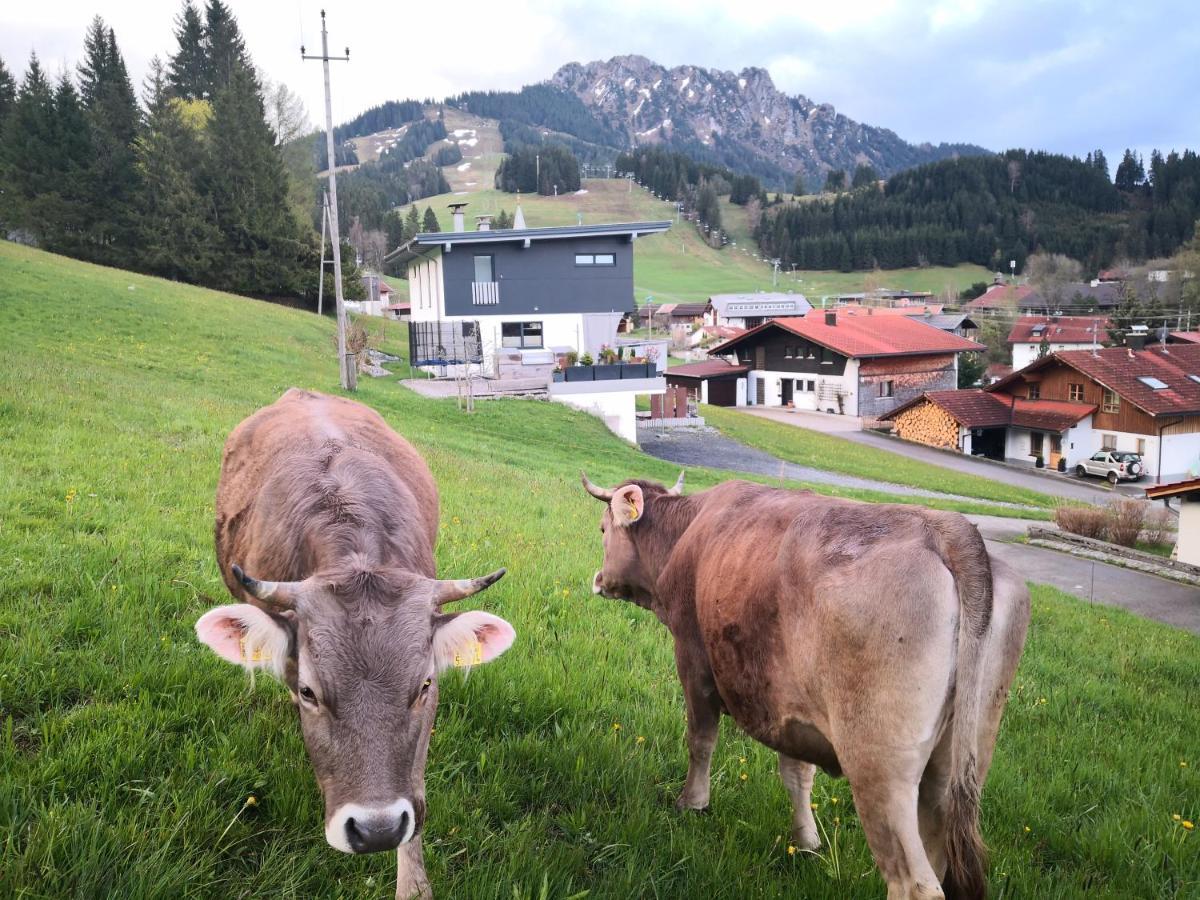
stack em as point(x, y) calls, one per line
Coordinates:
point(128, 752)
point(679, 266)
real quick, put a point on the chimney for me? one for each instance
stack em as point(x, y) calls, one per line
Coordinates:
point(831, 318)
point(457, 210)
point(1135, 341)
point(483, 223)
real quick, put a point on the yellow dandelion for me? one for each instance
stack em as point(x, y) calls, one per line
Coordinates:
point(616, 726)
point(833, 800)
point(566, 593)
point(252, 800)
point(1027, 829)
point(743, 776)
point(1187, 825)
point(640, 739)
point(742, 760)
point(837, 821)
point(1183, 764)
point(791, 850)
point(815, 805)
point(1177, 817)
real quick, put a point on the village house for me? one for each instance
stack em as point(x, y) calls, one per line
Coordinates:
point(855, 365)
point(884, 297)
point(1068, 406)
point(1187, 546)
point(513, 301)
point(751, 310)
point(1034, 336)
point(714, 381)
point(999, 297)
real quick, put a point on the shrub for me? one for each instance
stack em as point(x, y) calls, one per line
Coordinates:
point(586, 360)
point(1159, 527)
point(1086, 521)
point(572, 358)
point(1125, 521)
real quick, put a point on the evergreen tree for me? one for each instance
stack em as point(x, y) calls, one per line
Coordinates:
point(113, 120)
point(261, 251)
point(8, 93)
point(708, 207)
point(412, 223)
point(176, 238)
point(1130, 173)
point(835, 181)
point(864, 176)
point(798, 187)
point(1100, 162)
point(225, 49)
point(187, 68)
point(430, 222)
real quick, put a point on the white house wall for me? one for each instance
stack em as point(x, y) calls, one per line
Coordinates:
point(820, 399)
point(1024, 354)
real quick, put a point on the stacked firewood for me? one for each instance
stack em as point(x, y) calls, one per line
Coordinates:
point(928, 424)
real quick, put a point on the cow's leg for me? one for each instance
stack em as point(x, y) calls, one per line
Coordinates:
point(703, 721)
point(411, 881)
point(885, 791)
point(798, 779)
point(931, 803)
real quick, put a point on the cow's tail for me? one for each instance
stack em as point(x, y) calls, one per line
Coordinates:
point(962, 549)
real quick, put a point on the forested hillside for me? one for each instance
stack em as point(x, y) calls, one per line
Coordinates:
point(990, 209)
point(192, 183)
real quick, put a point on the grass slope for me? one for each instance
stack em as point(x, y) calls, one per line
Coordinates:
point(679, 266)
point(128, 752)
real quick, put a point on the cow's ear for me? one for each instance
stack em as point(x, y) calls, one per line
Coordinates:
point(628, 505)
point(469, 639)
point(246, 636)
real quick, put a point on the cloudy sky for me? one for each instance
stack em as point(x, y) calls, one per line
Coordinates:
point(1063, 76)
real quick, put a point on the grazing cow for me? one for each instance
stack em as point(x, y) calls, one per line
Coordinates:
point(875, 641)
point(320, 496)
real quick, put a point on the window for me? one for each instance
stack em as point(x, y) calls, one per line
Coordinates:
point(1034, 392)
point(1108, 441)
point(1112, 403)
point(810, 386)
point(483, 269)
point(886, 388)
point(1075, 393)
point(1153, 383)
point(595, 259)
point(787, 352)
point(521, 335)
point(826, 356)
point(812, 351)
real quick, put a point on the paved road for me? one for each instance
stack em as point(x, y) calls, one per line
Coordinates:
point(1088, 490)
point(708, 447)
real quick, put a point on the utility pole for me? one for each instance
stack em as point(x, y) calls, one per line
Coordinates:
point(346, 364)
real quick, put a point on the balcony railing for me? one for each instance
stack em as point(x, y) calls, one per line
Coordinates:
point(485, 293)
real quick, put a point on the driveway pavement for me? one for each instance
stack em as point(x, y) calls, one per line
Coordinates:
point(1088, 490)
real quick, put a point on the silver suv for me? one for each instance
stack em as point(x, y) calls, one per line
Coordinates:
point(1115, 465)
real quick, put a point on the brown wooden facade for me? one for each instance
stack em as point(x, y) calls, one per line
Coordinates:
point(1055, 383)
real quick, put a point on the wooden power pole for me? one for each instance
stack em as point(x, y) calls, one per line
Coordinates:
point(347, 364)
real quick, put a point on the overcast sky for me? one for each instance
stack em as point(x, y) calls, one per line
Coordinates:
point(1063, 76)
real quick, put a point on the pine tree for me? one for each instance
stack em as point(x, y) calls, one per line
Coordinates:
point(798, 186)
point(864, 176)
point(1130, 173)
point(225, 50)
point(65, 212)
point(187, 68)
point(8, 93)
point(412, 223)
point(113, 118)
point(175, 235)
point(835, 181)
point(430, 222)
point(261, 250)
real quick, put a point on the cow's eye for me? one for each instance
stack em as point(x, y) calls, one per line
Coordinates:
point(308, 696)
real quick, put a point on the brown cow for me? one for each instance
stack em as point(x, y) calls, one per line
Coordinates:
point(876, 641)
point(319, 495)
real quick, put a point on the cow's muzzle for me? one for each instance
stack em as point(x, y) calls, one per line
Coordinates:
point(371, 829)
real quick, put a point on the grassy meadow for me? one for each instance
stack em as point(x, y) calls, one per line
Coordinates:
point(129, 753)
point(677, 266)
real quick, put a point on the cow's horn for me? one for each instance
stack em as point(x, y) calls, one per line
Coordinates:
point(273, 593)
point(460, 589)
point(678, 489)
point(598, 492)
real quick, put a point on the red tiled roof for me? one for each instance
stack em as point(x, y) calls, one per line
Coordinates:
point(865, 336)
point(857, 309)
point(707, 369)
point(976, 408)
point(384, 288)
point(721, 331)
point(1059, 329)
point(1120, 368)
point(1000, 296)
point(400, 307)
point(998, 370)
point(1186, 337)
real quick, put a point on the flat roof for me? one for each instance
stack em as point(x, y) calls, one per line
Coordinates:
point(430, 240)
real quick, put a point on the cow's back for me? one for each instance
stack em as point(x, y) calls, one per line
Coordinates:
point(283, 448)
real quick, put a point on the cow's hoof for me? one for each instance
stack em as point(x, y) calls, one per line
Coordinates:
point(806, 839)
point(683, 804)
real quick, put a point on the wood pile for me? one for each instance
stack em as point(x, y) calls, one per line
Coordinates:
point(929, 424)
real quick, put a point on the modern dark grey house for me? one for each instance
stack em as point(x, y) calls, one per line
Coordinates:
point(522, 295)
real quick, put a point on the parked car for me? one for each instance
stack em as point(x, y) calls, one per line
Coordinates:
point(1115, 465)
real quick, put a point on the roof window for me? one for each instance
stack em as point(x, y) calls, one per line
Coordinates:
point(1153, 383)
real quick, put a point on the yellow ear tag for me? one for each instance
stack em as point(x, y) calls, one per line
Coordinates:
point(259, 655)
point(476, 659)
point(633, 510)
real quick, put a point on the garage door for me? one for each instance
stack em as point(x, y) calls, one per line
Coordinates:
point(722, 392)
